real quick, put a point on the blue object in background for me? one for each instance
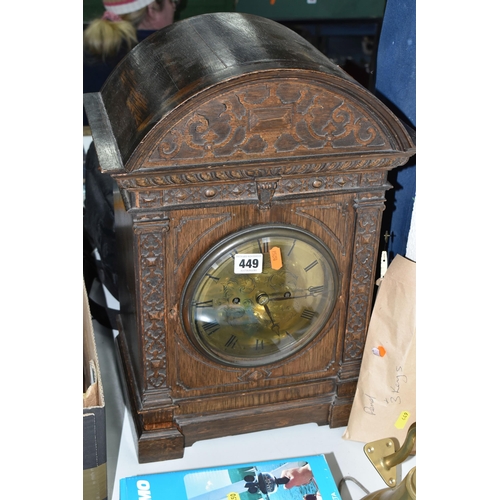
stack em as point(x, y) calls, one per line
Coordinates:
point(395, 85)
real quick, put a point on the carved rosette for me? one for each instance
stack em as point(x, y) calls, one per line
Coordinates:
point(152, 293)
point(360, 293)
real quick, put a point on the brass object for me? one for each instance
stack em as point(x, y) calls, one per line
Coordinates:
point(406, 490)
point(385, 455)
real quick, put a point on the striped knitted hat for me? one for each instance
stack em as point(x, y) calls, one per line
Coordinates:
point(125, 6)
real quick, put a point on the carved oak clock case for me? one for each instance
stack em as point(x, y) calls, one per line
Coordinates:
point(251, 176)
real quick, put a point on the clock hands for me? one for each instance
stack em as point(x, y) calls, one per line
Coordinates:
point(263, 299)
point(276, 326)
point(312, 291)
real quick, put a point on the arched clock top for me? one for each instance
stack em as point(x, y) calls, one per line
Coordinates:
point(223, 88)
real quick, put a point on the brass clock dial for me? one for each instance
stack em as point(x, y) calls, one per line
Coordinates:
point(260, 295)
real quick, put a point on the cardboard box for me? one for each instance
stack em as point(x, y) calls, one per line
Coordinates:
point(95, 484)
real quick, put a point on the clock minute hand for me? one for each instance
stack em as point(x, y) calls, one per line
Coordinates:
point(288, 295)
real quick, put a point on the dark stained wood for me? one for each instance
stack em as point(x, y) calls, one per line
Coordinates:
point(217, 123)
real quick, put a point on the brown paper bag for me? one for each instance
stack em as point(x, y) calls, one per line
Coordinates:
point(385, 400)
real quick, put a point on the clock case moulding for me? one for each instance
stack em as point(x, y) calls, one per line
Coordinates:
point(214, 124)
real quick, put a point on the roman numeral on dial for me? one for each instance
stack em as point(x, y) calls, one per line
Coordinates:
point(231, 341)
point(310, 266)
point(308, 314)
point(210, 327)
point(292, 247)
point(259, 344)
point(263, 246)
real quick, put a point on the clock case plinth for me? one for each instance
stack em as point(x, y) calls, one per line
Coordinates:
point(214, 124)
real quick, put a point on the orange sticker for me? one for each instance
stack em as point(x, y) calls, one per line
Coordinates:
point(275, 254)
point(379, 351)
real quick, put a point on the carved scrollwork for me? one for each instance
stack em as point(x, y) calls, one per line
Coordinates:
point(152, 292)
point(276, 118)
point(360, 293)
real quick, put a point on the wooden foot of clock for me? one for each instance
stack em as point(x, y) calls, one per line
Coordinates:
point(251, 174)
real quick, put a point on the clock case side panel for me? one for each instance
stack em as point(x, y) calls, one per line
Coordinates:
point(369, 207)
point(142, 341)
point(366, 239)
point(142, 287)
point(127, 293)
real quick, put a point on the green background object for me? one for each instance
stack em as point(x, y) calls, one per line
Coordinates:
point(285, 10)
point(92, 9)
point(282, 10)
point(190, 8)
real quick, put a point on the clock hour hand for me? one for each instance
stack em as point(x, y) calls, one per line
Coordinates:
point(275, 325)
point(263, 299)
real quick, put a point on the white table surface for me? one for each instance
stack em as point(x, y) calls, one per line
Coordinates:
point(346, 458)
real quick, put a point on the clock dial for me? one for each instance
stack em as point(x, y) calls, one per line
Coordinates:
point(260, 295)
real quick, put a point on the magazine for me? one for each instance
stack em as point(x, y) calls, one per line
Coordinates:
point(302, 478)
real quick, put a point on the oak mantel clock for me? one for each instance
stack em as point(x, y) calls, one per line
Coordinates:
point(251, 174)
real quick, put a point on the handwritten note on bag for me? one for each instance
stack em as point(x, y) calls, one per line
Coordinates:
point(385, 402)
